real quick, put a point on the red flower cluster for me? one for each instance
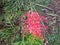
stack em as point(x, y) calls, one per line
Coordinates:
point(34, 26)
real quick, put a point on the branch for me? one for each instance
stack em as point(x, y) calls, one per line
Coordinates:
point(44, 7)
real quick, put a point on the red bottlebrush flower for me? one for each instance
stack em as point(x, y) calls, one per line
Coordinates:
point(33, 20)
point(34, 25)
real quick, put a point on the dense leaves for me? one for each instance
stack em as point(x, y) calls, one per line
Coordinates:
point(15, 16)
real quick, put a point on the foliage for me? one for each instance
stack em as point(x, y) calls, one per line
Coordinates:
point(10, 32)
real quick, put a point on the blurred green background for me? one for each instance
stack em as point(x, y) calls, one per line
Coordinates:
point(11, 10)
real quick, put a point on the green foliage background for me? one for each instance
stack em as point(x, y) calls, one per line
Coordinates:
point(12, 10)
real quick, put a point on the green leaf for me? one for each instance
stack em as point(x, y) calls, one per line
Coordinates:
point(16, 43)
